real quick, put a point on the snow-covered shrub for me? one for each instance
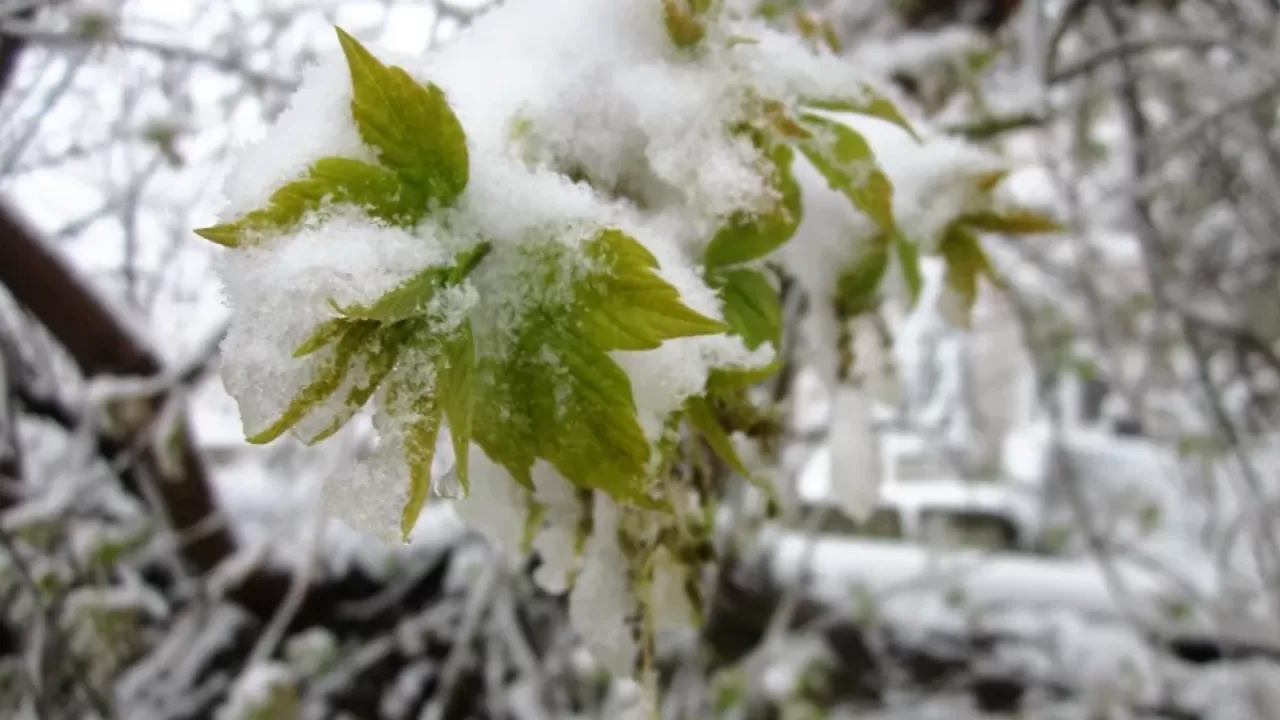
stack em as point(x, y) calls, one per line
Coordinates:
point(546, 255)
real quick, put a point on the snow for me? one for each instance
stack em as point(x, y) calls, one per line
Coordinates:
point(828, 239)
point(627, 700)
point(637, 127)
point(157, 686)
point(317, 124)
point(917, 51)
point(130, 596)
point(555, 541)
point(254, 691)
point(933, 184)
point(281, 293)
point(579, 115)
point(932, 180)
point(671, 606)
point(541, 90)
point(496, 507)
point(912, 500)
point(854, 462)
point(916, 576)
point(602, 601)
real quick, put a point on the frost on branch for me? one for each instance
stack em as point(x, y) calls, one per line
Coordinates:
point(539, 251)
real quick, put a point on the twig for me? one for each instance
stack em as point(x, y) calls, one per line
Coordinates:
point(1127, 47)
point(225, 63)
point(1153, 265)
point(79, 679)
point(23, 142)
point(479, 601)
point(301, 583)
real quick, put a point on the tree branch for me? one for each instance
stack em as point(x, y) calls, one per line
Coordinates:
point(100, 344)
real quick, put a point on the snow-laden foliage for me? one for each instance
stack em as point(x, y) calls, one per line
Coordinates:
point(542, 254)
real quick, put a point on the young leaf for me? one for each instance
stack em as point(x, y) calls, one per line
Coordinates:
point(629, 306)
point(683, 24)
point(502, 420)
point(423, 397)
point(966, 262)
point(407, 300)
point(703, 418)
point(558, 395)
point(374, 337)
point(845, 159)
point(411, 298)
point(857, 287)
point(781, 121)
point(816, 30)
point(412, 127)
point(751, 306)
point(909, 261)
point(871, 103)
point(378, 355)
point(1015, 222)
point(586, 408)
point(325, 333)
point(330, 181)
point(455, 383)
point(420, 451)
point(989, 181)
point(328, 378)
point(747, 236)
point(725, 380)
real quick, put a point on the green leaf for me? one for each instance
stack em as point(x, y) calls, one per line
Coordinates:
point(748, 236)
point(909, 260)
point(751, 306)
point(683, 24)
point(593, 411)
point(325, 333)
point(407, 300)
point(845, 159)
point(503, 417)
point(371, 338)
point(328, 377)
point(966, 261)
point(420, 451)
point(858, 287)
point(1014, 222)
point(331, 181)
point(725, 380)
point(455, 382)
point(987, 182)
point(778, 118)
point(703, 418)
point(818, 31)
point(467, 261)
point(412, 297)
point(378, 355)
point(629, 306)
point(991, 126)
point(421, 398)
point(535, 513)
point(561, 397)
point(710, 422)
point(871, 103)
point(558, 395)
point(411, 126)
